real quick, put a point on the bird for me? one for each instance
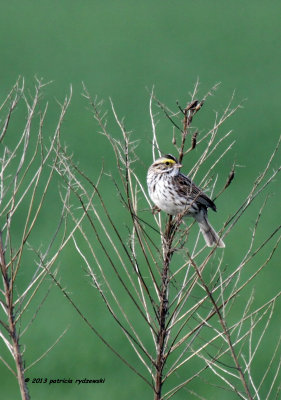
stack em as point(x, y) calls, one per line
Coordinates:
point(175, 193)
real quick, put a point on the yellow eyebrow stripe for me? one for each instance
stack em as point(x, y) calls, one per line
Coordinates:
point(169, 160)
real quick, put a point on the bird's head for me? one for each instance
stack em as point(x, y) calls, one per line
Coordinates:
point(167, 164)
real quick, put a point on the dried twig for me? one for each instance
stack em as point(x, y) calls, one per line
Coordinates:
point(181, 299)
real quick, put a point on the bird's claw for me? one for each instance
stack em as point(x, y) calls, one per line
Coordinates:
point(155, 210)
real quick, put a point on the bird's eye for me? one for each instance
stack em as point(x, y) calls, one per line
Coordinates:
point(167, 163)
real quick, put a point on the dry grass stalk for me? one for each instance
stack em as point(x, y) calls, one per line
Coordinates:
point(27, 167)
point(155, 281)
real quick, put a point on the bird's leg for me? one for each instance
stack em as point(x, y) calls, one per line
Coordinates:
point(178, 218)
point(155, 210)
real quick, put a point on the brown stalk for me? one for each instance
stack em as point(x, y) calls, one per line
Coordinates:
point(172, 312)
point(15, 345)
point(24, 167)
point(171, 228)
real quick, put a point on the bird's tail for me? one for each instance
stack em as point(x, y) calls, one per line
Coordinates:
point(210, 235)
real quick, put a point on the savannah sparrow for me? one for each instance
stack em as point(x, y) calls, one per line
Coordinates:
point(175, 193)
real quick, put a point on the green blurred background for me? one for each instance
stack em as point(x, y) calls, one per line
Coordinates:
point(118, 49)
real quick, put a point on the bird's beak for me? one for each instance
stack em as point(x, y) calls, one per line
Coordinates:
point(177, 165)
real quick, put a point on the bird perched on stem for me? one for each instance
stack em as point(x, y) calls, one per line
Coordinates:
point(175, 193)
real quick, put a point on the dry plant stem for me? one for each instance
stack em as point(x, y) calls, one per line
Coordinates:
point(184, 314)
point(27, 169)
point(167, 242)
point(224, 303)
point(163, 308)
point(91, 326)
point(189, 112)
point(15, 93)
point(130, 203)
point(219, 307)
point(91, 221)
point(15, 346)
point(224, 327)
point(134, 340)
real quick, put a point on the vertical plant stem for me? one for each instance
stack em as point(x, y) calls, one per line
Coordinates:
point(8, 288)
point(19, 364)
point(163, 308)
point(170, 230)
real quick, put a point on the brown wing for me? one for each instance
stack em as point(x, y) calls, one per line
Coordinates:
point(188, 188)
